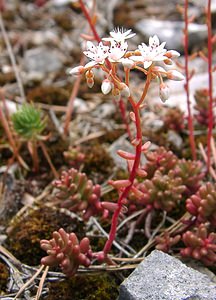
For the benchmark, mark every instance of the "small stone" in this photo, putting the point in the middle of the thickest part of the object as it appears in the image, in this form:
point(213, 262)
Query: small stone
point(163, 277)
point(175, 139)
point(42, 60)
point(105, 110)
point(80, 106)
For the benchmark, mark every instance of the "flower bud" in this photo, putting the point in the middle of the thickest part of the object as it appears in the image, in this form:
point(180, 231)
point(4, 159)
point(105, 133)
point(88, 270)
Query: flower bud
point(76, 71)
point(172, 54)
point(168, 62)
point(89, 78)
point(125, 91)
point(106, 86)
point(164, 92)
point(159, 69)
point(175, 75)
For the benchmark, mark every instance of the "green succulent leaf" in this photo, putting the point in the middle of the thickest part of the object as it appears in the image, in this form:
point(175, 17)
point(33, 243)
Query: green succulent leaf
point(27, 122)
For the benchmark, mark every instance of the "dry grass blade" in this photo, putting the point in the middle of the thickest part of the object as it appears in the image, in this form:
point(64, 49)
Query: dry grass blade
point(9, 255)
point(40, 287)
point(12, 58)
point(213, 148)
point(22, 289)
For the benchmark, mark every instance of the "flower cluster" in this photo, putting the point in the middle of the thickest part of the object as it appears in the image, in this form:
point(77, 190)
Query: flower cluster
point(149, 59)
point(65, 250)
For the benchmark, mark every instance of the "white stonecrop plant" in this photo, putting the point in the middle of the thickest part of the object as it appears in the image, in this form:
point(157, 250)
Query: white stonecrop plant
point(112, 51)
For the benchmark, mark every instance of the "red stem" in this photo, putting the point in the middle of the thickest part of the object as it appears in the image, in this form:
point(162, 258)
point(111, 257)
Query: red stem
point(89, 19)
point(124, 117)
point(186, 86)
point(132, 176)
point(210, 109)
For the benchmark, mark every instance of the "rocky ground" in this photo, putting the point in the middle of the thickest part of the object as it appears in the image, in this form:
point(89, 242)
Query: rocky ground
point(46, 43)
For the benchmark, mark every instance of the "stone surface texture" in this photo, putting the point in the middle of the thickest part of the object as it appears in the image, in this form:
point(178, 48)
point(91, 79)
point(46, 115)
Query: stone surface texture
point(163, 277)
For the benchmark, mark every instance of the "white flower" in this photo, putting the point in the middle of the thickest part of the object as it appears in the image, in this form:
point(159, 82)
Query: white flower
point(98, 54)
point(117, 51)
point(154, 52)
point(119, 35)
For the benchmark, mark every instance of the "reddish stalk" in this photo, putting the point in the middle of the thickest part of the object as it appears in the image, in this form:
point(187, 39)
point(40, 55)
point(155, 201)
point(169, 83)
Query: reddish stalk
point(124, 117)
point(132, 176)
point(210, 109)
point(32, 147)
point(11, 139)
point(186, 86)
point(89, 19)
point(46, 154)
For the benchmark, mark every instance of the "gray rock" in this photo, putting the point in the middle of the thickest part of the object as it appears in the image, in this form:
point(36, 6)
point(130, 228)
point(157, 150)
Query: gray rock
point(171, 32)
point(42, 60)
point(175, 139)
point(163, 277)
point(105, 110)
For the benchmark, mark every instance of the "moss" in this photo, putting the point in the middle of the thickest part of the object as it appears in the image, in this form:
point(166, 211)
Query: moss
point(24, 240)
point(49, 95)
point(85, 287)
point(4, 274)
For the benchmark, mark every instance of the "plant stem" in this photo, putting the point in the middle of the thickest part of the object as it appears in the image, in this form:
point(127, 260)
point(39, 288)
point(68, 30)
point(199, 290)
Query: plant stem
point(89, 19)
point(46, 154)
point(11, 140)
point(124, 194)
point(124, 117)
point(186, 86)
point(32, 146)
point(210, 109)
point(71, 101)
